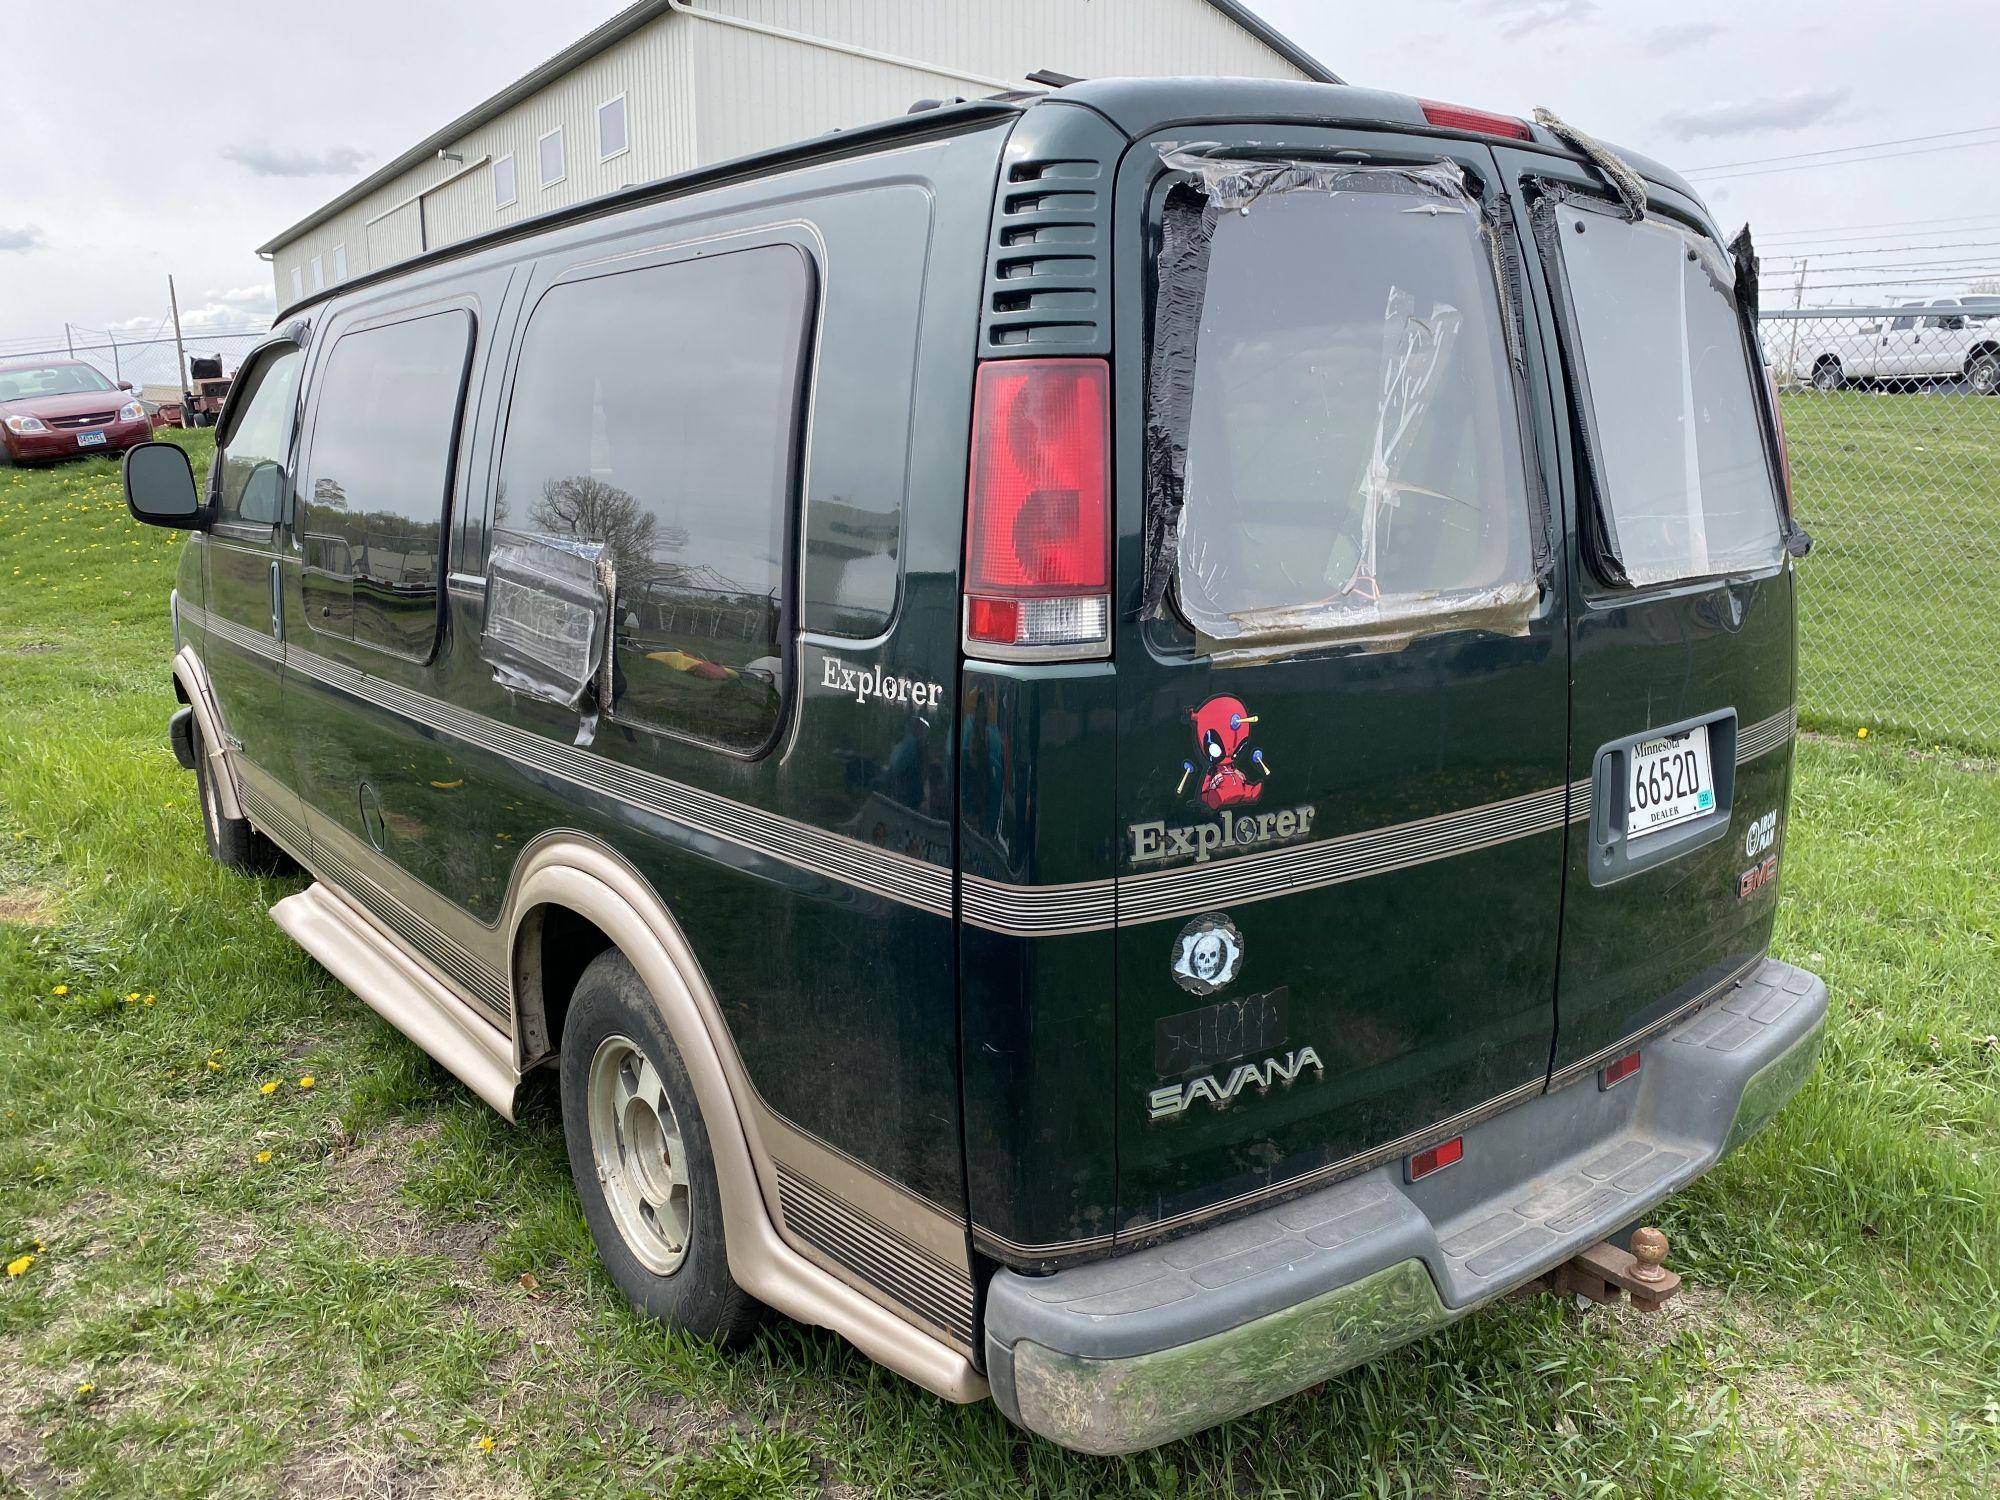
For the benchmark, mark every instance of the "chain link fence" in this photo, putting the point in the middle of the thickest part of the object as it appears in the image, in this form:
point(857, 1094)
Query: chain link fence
point(145, 362)
point(1894, 431)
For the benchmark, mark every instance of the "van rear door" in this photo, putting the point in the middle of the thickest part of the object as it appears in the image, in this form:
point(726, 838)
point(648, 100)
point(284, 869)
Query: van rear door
point(1682, 630)
point(1342, 666)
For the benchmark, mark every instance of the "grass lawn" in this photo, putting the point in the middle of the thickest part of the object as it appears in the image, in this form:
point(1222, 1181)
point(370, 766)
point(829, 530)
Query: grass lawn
point(228, 1282)
point(1900, 601)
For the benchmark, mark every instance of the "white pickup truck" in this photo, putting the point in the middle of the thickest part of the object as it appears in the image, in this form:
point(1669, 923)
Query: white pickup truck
point(1945, 339)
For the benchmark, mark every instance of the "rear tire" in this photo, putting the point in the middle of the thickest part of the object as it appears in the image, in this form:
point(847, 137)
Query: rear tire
point(639, 1151)
point(1983, 375)
point(232, 842)
point(1827, 375)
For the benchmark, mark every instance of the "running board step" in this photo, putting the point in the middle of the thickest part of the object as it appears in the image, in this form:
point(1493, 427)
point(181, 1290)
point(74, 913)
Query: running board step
point(400, 990)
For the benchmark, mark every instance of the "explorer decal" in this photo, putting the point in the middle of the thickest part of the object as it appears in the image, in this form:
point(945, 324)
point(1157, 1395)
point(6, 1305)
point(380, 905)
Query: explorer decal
point(872, 682)
point(1171, 1099)
point(1158, 839)
point(1207, 955)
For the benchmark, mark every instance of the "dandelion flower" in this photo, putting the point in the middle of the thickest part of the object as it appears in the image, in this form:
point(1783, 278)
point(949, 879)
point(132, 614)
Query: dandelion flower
point(269, 1085)
point(61, 989)
point(19, 1265)
point(486, 1444)
point(214, 1066)
point(1861, 733)
point(150, 999)
point(306, 1082)
point(130, 996)
point(263, 1157)
point(84, 1388)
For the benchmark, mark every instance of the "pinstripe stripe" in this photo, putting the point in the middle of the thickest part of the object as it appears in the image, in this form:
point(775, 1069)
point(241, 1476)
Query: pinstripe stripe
point(1015, 910)
point(897, 877)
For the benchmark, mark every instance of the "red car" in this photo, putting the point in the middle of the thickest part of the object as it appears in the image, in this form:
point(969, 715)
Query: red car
point(63, 408)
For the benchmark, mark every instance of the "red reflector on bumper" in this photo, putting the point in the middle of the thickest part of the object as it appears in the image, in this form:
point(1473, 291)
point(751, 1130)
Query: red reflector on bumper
point(1619, 1071)
point(1435, 1159)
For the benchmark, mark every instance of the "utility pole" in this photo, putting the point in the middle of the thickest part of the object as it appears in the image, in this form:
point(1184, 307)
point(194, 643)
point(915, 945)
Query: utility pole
point(70, 341)
point(1798, 301)
point(187, 396)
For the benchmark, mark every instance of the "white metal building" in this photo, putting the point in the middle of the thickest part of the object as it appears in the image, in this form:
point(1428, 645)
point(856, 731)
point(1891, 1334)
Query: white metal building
point(668, 85)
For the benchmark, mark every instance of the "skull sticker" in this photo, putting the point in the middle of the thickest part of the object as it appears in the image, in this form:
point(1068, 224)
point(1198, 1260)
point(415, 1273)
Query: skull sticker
point(1207, 955)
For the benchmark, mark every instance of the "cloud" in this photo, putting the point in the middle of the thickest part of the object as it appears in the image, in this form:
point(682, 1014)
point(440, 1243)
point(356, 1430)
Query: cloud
point(1682, 35)
point(1793, 111)
point(20, 237)
point(1519, 18)
point(248, 297)
point(272, 161)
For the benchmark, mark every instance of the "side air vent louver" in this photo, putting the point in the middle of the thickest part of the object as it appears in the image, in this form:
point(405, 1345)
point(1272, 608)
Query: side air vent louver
point(1048, 281)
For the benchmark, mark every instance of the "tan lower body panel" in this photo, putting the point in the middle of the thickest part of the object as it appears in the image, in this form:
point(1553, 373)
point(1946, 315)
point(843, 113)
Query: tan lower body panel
point(810, 1231)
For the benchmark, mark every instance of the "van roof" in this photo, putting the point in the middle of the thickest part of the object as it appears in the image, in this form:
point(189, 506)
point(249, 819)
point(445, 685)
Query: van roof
point(1135, 106)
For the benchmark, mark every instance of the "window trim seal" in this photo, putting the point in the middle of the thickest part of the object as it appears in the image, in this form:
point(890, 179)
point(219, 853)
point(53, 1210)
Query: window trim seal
point(1599, 528)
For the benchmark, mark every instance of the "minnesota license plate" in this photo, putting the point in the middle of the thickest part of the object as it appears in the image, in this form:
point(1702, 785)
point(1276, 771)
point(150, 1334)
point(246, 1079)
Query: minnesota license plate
point(1672, 781)
point(90, 440)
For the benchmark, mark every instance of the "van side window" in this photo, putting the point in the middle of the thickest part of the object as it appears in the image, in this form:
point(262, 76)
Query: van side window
point(378, 476)
point(257, 446)
point(657, 412)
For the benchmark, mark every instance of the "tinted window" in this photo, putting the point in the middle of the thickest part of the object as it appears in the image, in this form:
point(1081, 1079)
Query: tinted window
point(657, 412)
point(1353, 450)
point(1683, 468)
point(258, 444)
point(372, 507)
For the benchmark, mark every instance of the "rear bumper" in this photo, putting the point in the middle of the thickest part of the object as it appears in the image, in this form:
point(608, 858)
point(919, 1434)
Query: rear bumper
point(1146, 1347)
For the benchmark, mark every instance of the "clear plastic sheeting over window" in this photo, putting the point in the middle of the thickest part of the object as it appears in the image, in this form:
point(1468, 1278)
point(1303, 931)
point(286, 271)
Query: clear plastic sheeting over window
point(1678, 446)
point(1334, 441)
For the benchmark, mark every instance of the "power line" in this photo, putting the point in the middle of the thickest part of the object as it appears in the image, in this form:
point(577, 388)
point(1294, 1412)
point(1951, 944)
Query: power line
point(1908, 140)
point(1885, 250)
point(1849, 161)
point(1842, 229)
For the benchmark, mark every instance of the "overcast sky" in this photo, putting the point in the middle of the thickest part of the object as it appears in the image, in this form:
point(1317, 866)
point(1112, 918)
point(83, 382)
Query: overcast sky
point(180, 139)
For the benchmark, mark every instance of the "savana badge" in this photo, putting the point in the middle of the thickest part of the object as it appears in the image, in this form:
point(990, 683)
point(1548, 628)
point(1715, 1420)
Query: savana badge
point(1221, 731)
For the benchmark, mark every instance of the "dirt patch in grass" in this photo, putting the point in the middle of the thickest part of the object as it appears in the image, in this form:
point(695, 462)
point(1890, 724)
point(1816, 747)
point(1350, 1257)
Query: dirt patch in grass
point(26, 906)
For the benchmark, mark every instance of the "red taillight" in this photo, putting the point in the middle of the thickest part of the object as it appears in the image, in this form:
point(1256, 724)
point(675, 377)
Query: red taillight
point(1037, 510)
point(1435, 1159)
point(1784, 447)
point(1619, 1071)
point(1478, 121)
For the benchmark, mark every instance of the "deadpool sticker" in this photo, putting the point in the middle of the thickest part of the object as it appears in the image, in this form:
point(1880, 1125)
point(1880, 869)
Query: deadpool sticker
point(1228, 776)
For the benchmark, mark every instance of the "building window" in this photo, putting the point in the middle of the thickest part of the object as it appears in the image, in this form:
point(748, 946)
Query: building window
point(339, 263)
point(549, 149)
point(377, 481)
point(298, 284)
point(319, 273)
point(657, 412)
point(503, 181)
point(611, 128)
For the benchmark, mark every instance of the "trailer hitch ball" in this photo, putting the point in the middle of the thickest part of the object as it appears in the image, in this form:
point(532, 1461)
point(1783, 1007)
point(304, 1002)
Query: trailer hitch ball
point(1649, 1250)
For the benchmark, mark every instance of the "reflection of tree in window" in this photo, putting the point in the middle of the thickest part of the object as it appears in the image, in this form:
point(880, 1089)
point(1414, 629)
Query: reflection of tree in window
point(655, 411)
point(594, 511)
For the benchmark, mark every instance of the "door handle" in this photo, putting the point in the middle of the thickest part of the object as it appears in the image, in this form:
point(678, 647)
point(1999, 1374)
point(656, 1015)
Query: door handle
point(277, 602)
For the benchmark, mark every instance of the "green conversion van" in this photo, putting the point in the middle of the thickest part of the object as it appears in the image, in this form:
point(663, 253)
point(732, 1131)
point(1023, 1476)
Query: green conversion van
point(1130, 744)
